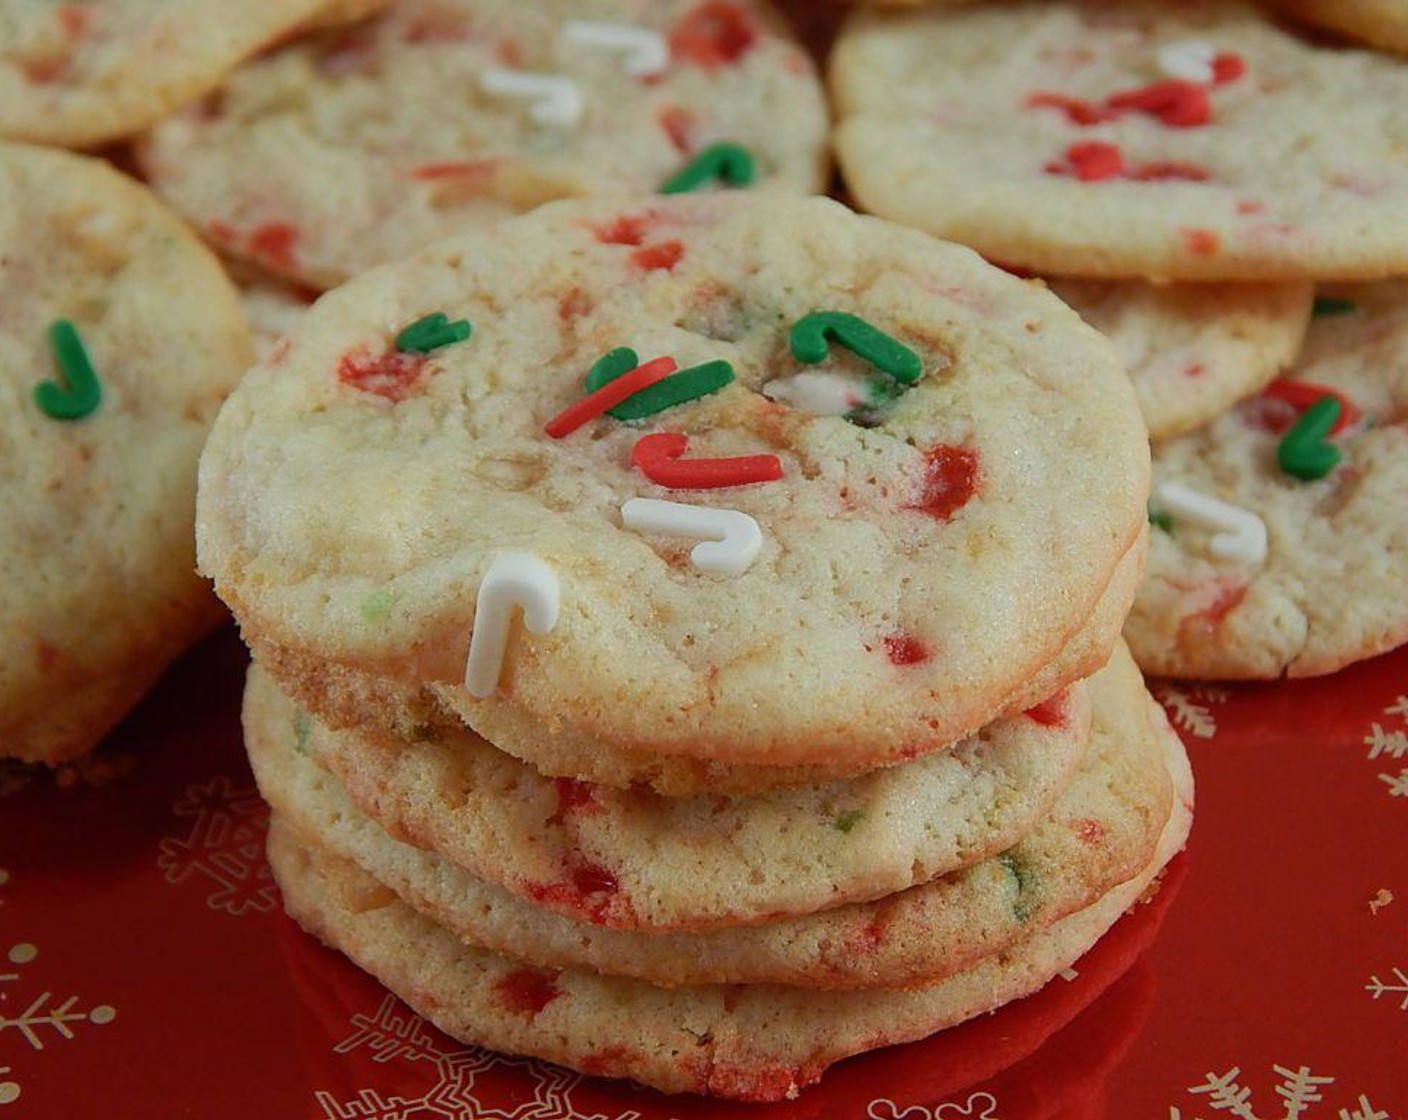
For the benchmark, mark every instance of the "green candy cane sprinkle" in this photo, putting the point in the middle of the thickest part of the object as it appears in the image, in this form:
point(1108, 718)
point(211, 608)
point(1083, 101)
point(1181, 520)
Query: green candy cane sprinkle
point(80, 392)
point(433, 332)
point(813, 334)
point(730, 164)
point(679, 388)
point(1305, 452)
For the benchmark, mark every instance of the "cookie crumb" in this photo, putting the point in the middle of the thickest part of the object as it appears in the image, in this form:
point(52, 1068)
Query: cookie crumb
point(1380, 900)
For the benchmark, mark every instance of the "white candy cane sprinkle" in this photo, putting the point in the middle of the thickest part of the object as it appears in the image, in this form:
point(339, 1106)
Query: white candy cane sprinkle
point(645, 52)
point(555, 99)
point(1239, 534)
point(1188, 59)
point(514, 579)
point(731, 539)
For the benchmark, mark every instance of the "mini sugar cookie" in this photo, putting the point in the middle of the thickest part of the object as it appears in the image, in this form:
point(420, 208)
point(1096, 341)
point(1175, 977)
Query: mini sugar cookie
point(749, 1042)
point(272, 308)
point(1319, 462)
point(1127, 139)
point(1100, 831)
point(345, 150)
point(629, 860)
point(1381, 23)
point(83, 74)
point(1194, 350)
point(922, 561)
point(119, 337)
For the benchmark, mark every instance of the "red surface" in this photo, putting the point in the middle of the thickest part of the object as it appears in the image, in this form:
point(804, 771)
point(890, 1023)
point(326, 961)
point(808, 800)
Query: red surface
point(148, 896)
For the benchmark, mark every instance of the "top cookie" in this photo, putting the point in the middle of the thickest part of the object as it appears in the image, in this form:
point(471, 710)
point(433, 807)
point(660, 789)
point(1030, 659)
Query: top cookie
point(98, 590)
point(350, 149)
point(79, 75)
point(918, 564)
point(1128, 138)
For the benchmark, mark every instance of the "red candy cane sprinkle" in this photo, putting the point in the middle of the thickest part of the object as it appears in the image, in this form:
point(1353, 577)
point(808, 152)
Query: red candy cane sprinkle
point(609, 396)
point(657, 457)
point(1174, 102)
point(1300, 395)
point(1077, 109)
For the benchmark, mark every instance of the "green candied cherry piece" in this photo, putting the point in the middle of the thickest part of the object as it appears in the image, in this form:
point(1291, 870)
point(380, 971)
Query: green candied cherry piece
point(302, 727)
point(431, 333)
point(730, 164)
point(1025, 877)
point(685, 385)
point(81, 391)
point(1305, 452)
point(1160, 520)
point(848, 820)
point(1327, 305)
point(813, 334)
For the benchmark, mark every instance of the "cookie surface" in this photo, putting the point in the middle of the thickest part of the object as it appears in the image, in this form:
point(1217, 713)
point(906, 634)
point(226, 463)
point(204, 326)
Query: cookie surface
point(1070, 138)
point(1194, 350)
point(1329, 590)
point(1101, 831)
point(79, 75)
point(351, 149)
point(914, 576)
point(98, 590)
point(628, 859)
point(751, 1042)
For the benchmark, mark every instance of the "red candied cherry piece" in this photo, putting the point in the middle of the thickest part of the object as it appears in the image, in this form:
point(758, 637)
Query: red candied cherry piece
point(950, 481)
point(1174, 102)
point(712, 34)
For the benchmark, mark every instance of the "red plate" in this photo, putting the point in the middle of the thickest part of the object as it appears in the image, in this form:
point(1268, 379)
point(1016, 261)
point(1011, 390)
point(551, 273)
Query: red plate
point(148, 972)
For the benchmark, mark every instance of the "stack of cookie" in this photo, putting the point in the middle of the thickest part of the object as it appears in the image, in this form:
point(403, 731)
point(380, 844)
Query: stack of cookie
point(1201, 168)
point(812, 734)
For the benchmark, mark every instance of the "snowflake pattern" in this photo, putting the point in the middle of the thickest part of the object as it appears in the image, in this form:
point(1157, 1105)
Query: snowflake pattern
point(1391, 743)
point(1190, 707)
point(397, 1034)
point(1393, 988)
point(978, 1106)
point(45, 1019)
point(1299, 1090)
point(224, 845)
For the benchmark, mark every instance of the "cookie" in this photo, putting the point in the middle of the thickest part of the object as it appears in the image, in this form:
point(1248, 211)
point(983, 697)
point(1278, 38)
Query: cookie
point(1194, 350)
point(344, 698)
point(80, 75)
point(347, 150)
point(272, 308)
point(1381, 23)
point(120, 336)
point(917, 566)
point(1100, 832)
point(1328, 589)
point(749, 1042)
point(629, 859)
point(1119, 139)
